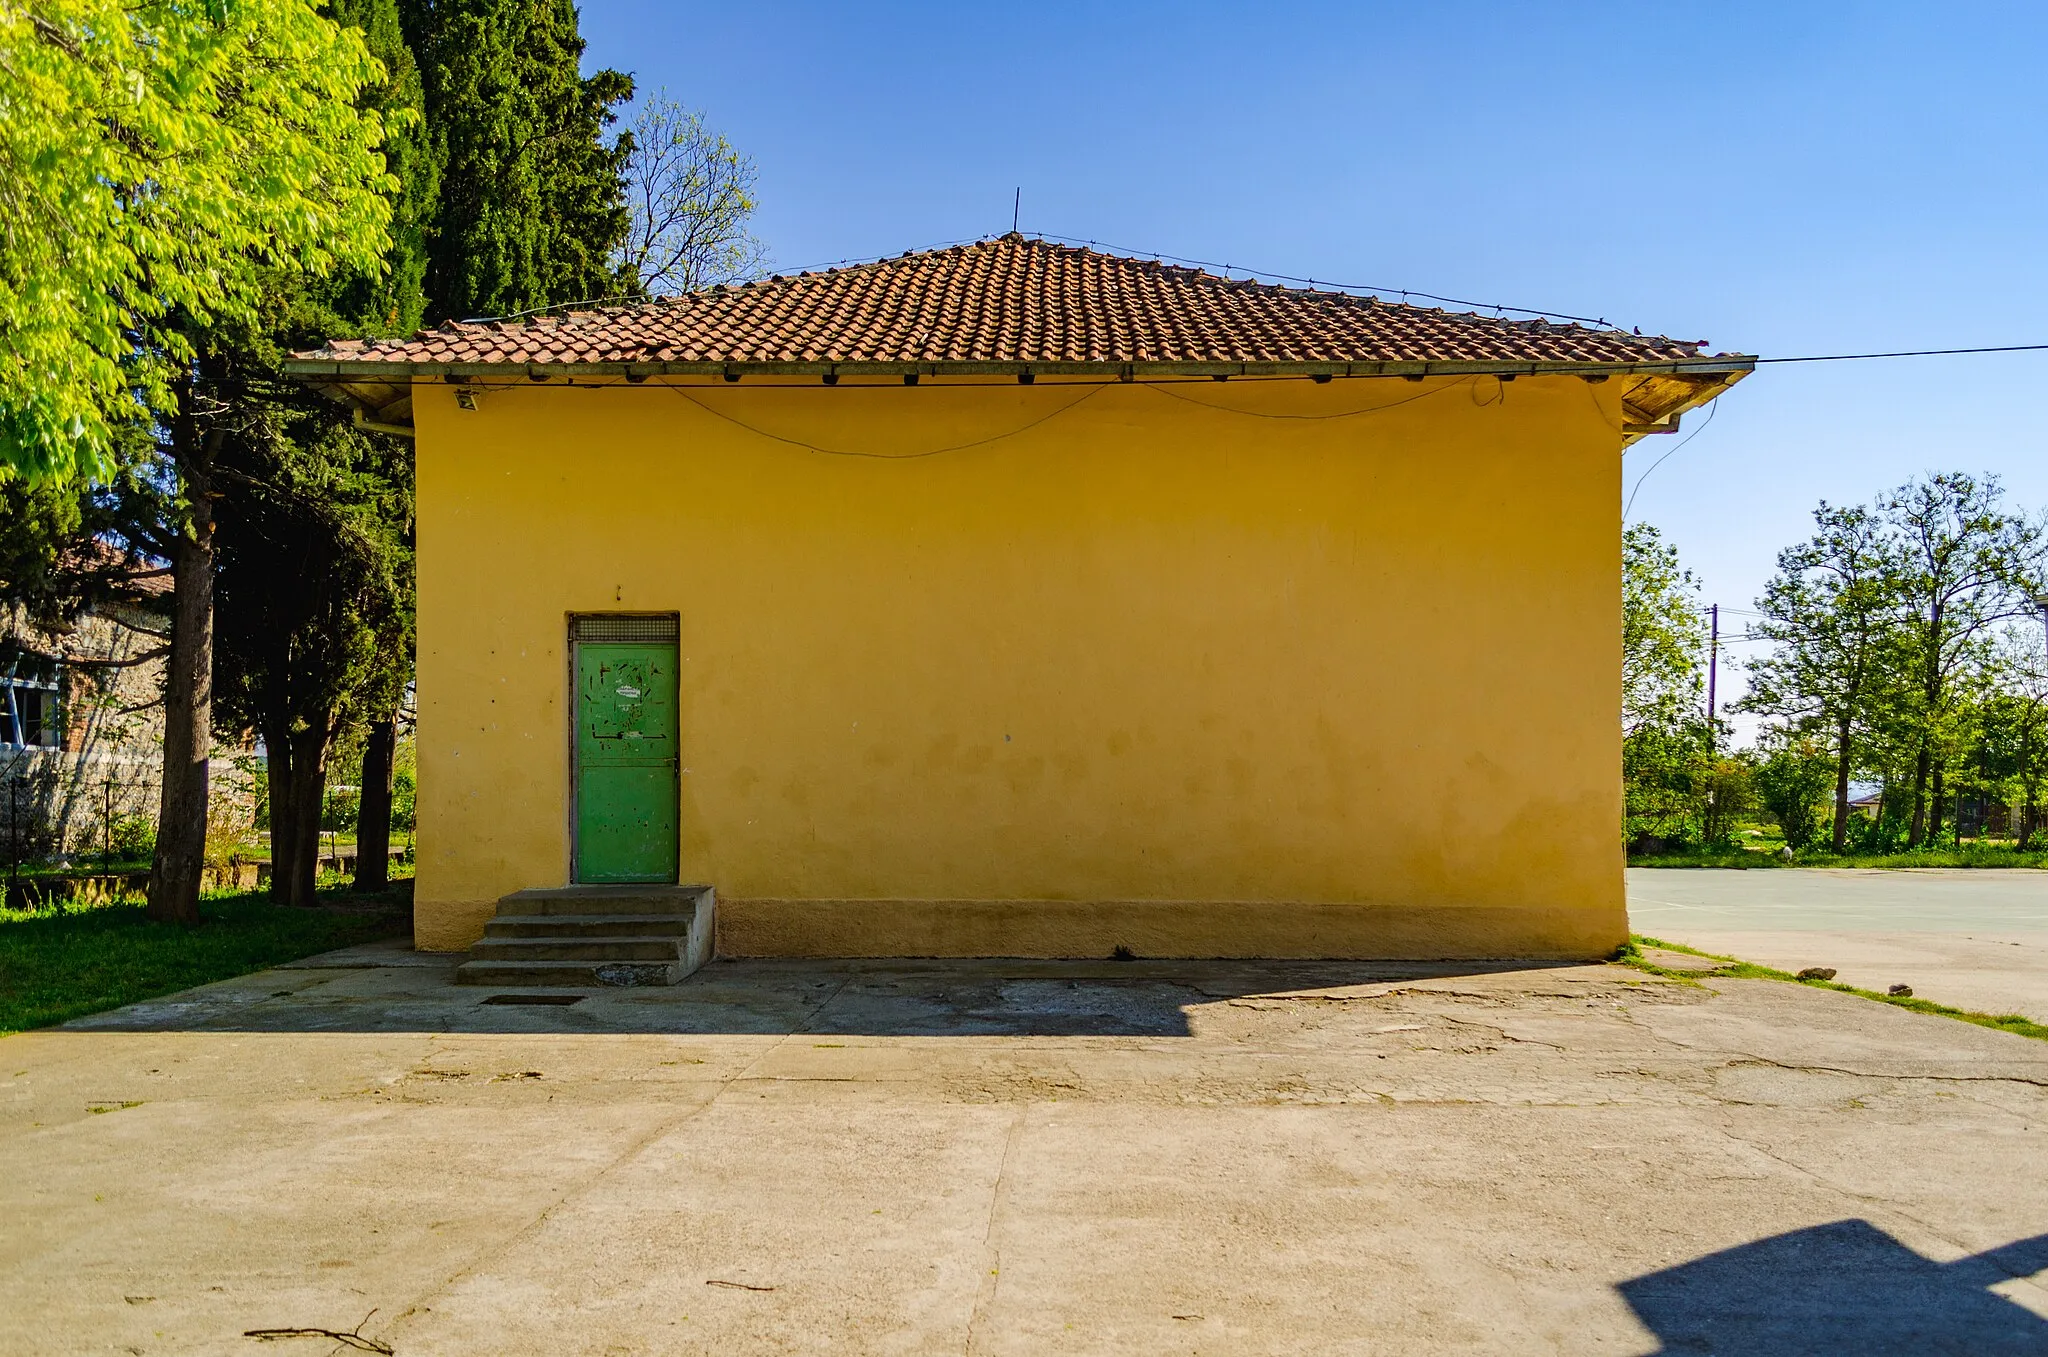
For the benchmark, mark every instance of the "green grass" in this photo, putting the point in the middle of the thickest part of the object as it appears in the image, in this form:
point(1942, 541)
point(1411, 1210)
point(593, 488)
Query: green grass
point(80, 866)
point(57, 967)
point(1742, 859)
point(1632, 955)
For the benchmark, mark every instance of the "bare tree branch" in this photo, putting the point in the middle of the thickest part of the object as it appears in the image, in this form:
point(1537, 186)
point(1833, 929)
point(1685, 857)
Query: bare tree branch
point(691, 195)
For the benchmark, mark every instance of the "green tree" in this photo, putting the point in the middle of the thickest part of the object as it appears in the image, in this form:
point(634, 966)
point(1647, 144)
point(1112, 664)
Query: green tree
point(1665, 746)
point(390, 298)
point(313, 586)
point(1958, 564)
point(316, 582)
point(2012, 725)
point(691, 196)
point(1663, 635)
point(1828, 612)
point(70, 546)
point(1725, 785)
point(157, 159)
point(1792, 782)
point(532, 201)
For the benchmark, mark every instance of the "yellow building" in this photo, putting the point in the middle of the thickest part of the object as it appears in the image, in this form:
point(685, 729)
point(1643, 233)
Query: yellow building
point(1016, 599)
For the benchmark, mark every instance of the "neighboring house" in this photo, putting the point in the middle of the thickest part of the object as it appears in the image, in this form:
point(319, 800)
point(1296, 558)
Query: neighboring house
point(80, 739)
point(1015, 599)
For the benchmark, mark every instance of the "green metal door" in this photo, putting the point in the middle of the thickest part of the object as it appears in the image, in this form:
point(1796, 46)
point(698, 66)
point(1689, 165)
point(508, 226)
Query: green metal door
point(626, 759)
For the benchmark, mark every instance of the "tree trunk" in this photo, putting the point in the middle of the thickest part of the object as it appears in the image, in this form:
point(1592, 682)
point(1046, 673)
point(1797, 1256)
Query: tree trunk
point(177, 870)
point(309, 778)
point(1934, 803)
point(298, 787)
point(1842, 761)
point(2028, 783)
point(373, 807)
point(1918, 830)
point(284, 817)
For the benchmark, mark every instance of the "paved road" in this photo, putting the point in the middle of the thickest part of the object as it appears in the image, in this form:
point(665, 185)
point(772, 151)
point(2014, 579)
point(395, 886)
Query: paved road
point(1975, 939)
point(1019, 1158)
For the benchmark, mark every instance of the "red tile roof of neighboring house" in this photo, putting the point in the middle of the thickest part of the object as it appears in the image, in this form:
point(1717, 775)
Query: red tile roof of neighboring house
point(123, 572)
point(1006, 302)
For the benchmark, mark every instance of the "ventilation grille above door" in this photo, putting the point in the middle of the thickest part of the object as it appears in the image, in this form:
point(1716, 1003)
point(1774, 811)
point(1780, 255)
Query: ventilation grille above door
point(616, 627)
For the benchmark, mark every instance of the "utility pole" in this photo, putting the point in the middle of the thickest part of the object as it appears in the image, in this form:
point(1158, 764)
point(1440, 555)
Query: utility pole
point(1713, 672)
point(2041, 602)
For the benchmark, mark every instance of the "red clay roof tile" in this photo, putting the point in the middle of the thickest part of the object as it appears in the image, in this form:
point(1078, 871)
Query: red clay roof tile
point(1010, 300)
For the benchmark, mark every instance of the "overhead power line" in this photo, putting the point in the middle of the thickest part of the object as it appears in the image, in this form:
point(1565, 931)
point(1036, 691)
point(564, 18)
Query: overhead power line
point(1907, 353)
point(1403, 292)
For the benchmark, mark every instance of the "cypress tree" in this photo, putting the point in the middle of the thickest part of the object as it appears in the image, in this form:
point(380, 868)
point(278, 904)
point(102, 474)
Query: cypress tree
point(532, 196)
point(393, 302)
point(509, 199)
point(313, 591)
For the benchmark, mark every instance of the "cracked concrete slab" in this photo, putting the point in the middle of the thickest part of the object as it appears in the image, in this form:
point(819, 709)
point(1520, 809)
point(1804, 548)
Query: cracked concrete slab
point(1013, 1157)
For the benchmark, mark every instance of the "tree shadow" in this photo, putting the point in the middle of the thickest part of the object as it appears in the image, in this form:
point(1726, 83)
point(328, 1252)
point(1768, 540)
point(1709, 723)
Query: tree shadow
point(1842, 1287)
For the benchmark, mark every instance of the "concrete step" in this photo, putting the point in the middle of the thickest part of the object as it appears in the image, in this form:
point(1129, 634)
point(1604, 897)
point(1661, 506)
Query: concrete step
point(566, 974)
point(578, 949)
point(580, 936)
point(607, 900)
point(588, 925)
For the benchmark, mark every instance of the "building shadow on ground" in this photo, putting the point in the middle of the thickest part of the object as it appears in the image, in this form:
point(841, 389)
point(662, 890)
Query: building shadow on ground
point(1844, 1287)
point(882, 998)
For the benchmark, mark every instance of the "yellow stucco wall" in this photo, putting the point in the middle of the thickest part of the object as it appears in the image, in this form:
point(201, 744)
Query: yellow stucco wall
point(1202, 670)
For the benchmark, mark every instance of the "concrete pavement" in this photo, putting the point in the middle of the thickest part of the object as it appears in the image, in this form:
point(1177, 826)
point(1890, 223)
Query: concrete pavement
point(1971, 938)
point(1024, 1158)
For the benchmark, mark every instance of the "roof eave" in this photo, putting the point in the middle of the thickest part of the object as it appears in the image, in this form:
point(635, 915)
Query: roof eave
point(312, 369)
point(380, 390)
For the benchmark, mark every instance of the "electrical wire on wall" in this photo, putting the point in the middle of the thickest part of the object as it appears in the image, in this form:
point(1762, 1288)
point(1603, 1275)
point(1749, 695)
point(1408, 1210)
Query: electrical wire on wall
point(1713, 406)
point(1092, 390)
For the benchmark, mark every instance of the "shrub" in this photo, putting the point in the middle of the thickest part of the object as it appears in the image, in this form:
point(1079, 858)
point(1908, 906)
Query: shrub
point(1792, 783)
point(133, 837)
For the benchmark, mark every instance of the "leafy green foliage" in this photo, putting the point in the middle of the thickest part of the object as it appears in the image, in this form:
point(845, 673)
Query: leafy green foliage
point(391, 300)
point(2011, 753)
point(157, 161)
point(1959, 564)
point(1827, 613)
point(1792, 783)
point(1894, 647)
point(1668, 766)
point(532, 196)
point(1663, 635)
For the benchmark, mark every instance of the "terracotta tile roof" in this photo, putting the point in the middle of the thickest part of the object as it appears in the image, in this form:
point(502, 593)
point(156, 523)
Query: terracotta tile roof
point(125, 572)
point(1009, 301)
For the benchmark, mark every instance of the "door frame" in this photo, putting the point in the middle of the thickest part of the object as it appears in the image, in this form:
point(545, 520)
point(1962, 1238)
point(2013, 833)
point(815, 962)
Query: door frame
point(570, 652)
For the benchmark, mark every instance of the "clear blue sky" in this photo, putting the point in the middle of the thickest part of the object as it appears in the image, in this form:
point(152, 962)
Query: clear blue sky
point(1772, 177)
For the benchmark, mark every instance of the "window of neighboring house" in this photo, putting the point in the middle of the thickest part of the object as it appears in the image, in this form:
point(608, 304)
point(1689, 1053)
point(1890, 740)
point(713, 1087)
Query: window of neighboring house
point(28, 715)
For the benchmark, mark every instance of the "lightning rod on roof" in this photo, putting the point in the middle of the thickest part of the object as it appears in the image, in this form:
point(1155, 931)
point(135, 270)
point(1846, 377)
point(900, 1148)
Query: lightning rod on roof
point(1016, 206)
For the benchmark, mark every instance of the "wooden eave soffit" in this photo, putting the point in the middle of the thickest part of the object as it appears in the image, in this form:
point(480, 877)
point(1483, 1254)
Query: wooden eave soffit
point(1654, 402)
